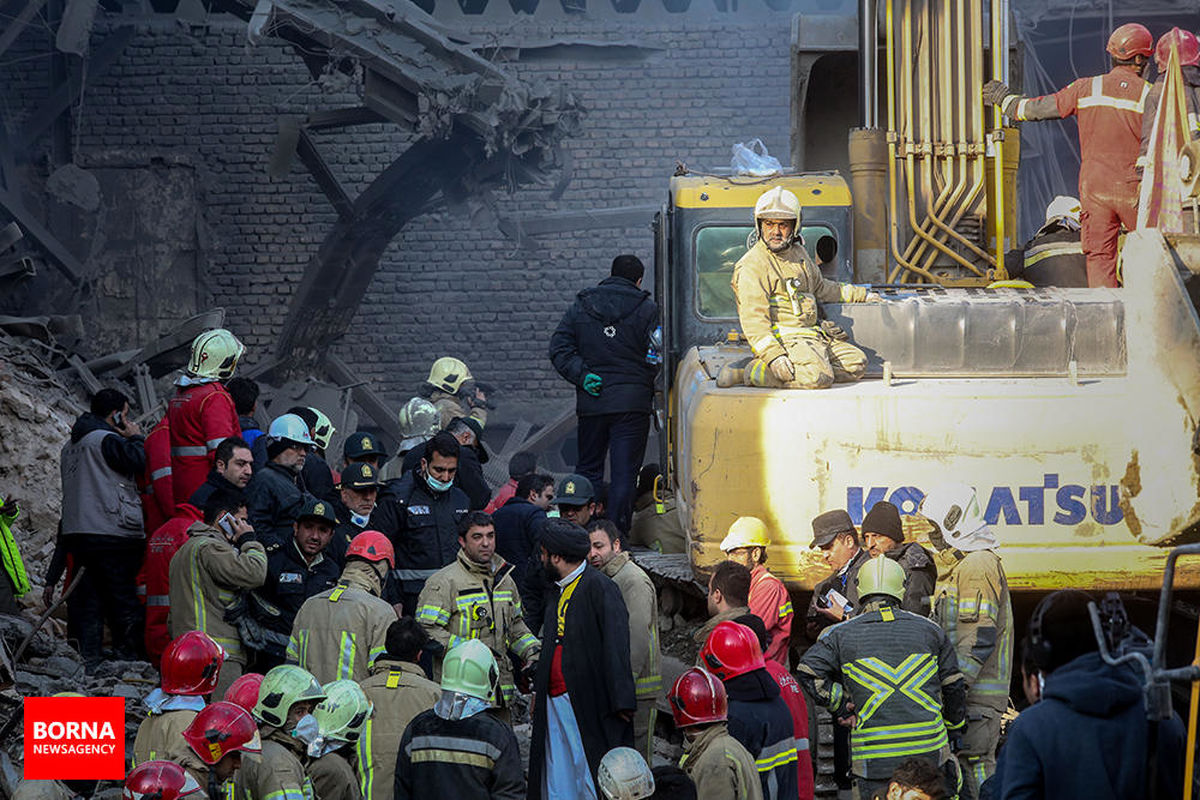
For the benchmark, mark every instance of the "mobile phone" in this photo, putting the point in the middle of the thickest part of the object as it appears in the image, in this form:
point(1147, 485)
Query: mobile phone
point(119, 420)
point(835, 595)
point(225, 523)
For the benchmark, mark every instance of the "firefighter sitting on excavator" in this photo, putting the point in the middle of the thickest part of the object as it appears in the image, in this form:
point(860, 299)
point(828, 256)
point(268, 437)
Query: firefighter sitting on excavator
point(777, 287)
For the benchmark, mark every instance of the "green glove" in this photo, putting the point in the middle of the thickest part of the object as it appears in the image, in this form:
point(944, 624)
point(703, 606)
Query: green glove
point(591, 384)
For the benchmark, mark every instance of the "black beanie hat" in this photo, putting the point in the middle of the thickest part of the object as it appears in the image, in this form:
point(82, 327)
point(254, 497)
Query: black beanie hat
point(884, 519)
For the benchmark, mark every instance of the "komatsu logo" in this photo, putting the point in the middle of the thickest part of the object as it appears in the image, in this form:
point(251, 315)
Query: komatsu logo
point(1050, 502)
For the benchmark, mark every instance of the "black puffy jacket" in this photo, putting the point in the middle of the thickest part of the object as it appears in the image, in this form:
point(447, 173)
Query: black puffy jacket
point(607, 332)
point(273, 500)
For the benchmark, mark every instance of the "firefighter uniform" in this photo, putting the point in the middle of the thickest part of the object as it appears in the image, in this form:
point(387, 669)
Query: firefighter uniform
point(973, 606)
point(644, 657)
point(1109, 108)
point(160, 738)
point(720, 766)
point(901, 673)
point(465, 601)
point(277, 773)
point(476, 756)
point(199, 417)
point(154, 580)
point(333, 778)
point(158, 494)
point(339, 632)
point(207, 575)
point(777, 296)
point(770, 602)
point(450, 406)
point(399, 691)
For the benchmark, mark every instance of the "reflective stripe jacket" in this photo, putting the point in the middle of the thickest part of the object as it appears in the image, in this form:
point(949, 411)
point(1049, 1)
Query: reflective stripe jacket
point(777, 296)
point(901, 673)
point(158, 494)
point(154, 579)
point(465, 601)
point(206, 575)
point(973, 606)
point(789, 690)
point(333, 778)
point(277, 773)
point(10, 554)
point(476, 757)
point(760, 719)
point(1109, 108)
point(340, 632)
point(642, 603)
point(290, 581)
point(199, 417)
point(770, 602)
point(160, 738)
point(450, 406)
point(400, 691)
point(720, 766)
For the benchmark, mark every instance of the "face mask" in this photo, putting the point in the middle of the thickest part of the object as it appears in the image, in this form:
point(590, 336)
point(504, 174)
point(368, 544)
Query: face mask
point(359, 519)
point(307, 729)
point(322, 746)
point(436, 485)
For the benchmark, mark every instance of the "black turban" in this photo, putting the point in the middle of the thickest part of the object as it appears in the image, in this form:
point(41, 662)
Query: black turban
point(563, 538)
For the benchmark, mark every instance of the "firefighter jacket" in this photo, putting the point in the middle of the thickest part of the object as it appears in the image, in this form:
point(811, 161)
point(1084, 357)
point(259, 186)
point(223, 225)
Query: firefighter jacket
point(657, 525)
point(642, 603)
point(502, 496)
point(475, 757)
point(199, 418)
point(273, 500)
point(920, 573)
point(1053, 257)
point(154, 578)
point(277, 773)
point(761, 720)
point(845, 581)
point(339, 632)
point(423, 527)
point(478, 601)
point(399, 691)
point(450, 406)
point(1109, 108)
point(770, 602)
point(777, 296)
point(1191, 94)
point(701, 634)
point(160, 738)
point(290, 581)
point(158, 494)
point(973, 607)
point(14, 566)
point(333, 778)
point(793, 695)
point(901, 673)
point(207, 575)
point(43, 790)
point(720, 766)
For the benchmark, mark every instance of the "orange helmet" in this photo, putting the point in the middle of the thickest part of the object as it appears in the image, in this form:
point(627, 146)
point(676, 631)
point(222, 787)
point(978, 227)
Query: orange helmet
point(731, 650)
point(159, 780)
point(244, 691)
point(1187, 44)
point(191, 664)
point(222, 728)
point(1129, 40)
point(698, 697)
point(372, 546)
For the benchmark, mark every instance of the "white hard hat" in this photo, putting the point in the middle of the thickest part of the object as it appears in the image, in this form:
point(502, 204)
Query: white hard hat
point(289, 428)
point(777, 203)
point(746, 532)
point(623, 775)
point(954, 508)
point(1065, 209)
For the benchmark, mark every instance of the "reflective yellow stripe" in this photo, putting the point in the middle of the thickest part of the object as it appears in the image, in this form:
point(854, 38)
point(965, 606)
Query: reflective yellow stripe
point(366, 764)
point(346, 651)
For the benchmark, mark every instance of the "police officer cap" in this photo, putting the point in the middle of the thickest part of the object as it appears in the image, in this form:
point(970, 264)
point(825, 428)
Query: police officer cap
point(315, 508)
point(826, 527)
point(574, 490)
point(361, 443)
point(359, 476)
point(564, 538)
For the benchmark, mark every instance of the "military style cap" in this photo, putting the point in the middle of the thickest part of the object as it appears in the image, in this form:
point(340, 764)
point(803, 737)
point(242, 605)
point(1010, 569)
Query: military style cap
point(359, 476)
point(827, 526)
point(361, 443)
point(574, 490)
point(314, 508)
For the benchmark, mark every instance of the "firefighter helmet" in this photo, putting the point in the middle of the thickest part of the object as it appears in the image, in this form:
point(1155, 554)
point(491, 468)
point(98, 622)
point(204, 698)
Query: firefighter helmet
point(1130, 40)
point(282, 688)
point(220, 729)
point(215, 355)
point(731, 650)
point(159, 780)
point(1185, 42)
point(777, 203)
point(343, 713)
point(746, 532)
point(1064, 209)
point(290, 428)
point(881, 575)
point(470, 668)
point(244, 691)
point(698, 698)
point(322, 429)
point(623, 775)
point(191, 664)
point(954, 508)
point(448, 374)
point(418, 418)
point(372, 546)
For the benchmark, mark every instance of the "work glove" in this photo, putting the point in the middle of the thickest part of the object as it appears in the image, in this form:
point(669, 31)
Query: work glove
point(781, 368)
point(591, 384)
point(994, 92)
point(874, 297)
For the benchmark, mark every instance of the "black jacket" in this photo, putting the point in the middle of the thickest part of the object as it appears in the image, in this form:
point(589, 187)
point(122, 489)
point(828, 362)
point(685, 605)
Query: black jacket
point(422, 525)
point(518, 531)
point(845, 583)
point(126, 456)
point(273, 500)
point(214, 481)
point(607, 332)
point(469, 476)
point(318, 480)
point(759, 718)
point(442, 758)
point(921, 574)
point(290, 581)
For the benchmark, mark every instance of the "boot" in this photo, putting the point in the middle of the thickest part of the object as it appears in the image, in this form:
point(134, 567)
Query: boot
point(730, 376)
point(760, 375)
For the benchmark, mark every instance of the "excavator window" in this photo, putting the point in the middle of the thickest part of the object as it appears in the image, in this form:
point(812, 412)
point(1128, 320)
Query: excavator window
point(718, 248)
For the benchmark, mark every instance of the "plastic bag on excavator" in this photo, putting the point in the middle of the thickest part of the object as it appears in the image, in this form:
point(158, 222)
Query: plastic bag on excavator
point(752, 158)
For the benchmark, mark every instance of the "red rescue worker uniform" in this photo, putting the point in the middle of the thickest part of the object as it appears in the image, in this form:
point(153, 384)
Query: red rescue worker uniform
point(793, 695)
point(158, 496)
point(154, 582)
point(200, 416)
point(770, 602)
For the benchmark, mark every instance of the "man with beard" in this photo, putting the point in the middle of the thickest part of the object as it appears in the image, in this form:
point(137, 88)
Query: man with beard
point(274, 496)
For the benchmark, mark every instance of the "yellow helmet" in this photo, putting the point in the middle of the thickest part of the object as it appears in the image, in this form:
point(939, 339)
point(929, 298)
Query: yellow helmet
point(881, 575)
point(777, 203)
point(215, 354)
point(746, 532)
point(448, 374)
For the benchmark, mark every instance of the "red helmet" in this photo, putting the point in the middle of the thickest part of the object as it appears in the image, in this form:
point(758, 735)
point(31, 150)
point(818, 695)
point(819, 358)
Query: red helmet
point(731, 650)
point(372, 546)
point(1187, 44)
point(1129, 40)
point(698, 697)
point(220, 729)
point(244, 691)
point(159, 780)
point(191, 664)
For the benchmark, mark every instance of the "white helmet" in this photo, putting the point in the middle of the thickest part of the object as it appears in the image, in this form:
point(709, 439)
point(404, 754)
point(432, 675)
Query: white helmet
point(777, 203)
point(290, 428)
point(623, 775)
point(1065, 210)
point(215, 355)
point(954, 508)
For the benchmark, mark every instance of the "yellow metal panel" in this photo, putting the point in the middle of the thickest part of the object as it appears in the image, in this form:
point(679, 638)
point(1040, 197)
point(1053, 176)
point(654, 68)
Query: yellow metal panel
point(816, 189)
